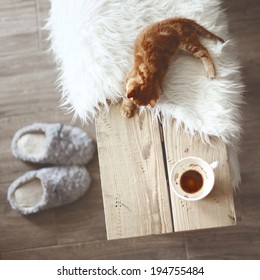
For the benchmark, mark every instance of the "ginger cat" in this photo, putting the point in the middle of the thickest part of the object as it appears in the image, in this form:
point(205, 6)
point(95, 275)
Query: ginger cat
point(154, 47)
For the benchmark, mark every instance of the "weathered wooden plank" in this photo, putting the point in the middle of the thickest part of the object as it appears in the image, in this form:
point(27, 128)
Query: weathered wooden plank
point(217, 209)
point(135, 194)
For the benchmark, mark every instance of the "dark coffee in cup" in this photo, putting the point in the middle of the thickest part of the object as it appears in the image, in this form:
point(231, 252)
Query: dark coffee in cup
point(191, 181)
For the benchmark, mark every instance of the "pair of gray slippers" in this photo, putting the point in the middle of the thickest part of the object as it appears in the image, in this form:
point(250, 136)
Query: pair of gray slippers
point(68, 149)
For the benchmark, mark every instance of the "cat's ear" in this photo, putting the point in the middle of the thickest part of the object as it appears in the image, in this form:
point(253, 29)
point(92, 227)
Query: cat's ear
point(133, 93)
point(152, 103)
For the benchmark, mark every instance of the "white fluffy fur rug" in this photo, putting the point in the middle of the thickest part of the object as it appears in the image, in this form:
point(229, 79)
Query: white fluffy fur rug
point(92, 42)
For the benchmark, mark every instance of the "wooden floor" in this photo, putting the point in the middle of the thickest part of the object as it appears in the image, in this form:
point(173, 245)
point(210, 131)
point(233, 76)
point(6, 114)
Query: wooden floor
point(77, 231)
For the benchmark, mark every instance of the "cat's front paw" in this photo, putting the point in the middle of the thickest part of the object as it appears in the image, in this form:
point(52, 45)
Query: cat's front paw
point(128, 109)
point(126, 112)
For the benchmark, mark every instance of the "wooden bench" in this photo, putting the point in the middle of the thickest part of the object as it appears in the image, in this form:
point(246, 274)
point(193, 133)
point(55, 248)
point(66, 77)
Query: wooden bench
point(135, 157)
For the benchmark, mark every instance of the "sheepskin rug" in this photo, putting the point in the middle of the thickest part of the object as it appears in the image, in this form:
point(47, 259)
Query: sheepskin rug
point(92, 42)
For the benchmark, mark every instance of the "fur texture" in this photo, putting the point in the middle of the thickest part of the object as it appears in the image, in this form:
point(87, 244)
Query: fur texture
point(60, 186)
point(92, 42)
point(65, 145)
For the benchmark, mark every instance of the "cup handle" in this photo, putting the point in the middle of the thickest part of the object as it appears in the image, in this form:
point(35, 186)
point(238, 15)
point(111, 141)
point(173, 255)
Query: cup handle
point(214, 164)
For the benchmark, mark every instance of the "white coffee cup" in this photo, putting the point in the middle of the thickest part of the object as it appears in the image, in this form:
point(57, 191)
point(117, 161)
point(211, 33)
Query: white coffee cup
point(192, 178)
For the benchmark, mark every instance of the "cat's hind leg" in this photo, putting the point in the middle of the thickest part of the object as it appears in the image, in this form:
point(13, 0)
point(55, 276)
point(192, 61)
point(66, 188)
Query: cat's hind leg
point(194, 47)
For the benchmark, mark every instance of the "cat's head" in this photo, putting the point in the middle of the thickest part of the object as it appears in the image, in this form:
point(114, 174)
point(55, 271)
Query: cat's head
point(138, 96)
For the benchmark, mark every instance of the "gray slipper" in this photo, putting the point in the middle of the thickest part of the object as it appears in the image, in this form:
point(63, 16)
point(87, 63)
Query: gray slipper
point(53, 144)
point(47, 188)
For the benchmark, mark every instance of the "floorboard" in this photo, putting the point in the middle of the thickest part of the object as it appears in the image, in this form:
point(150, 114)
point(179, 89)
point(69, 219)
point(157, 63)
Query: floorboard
point(151, 247)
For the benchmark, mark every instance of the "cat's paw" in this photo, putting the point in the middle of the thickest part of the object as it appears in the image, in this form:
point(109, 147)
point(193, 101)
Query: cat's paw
point(127, 110)
point(210, 72)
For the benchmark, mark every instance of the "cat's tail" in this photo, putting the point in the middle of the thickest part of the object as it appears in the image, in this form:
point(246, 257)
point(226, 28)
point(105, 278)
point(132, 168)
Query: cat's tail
point(203, 31)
